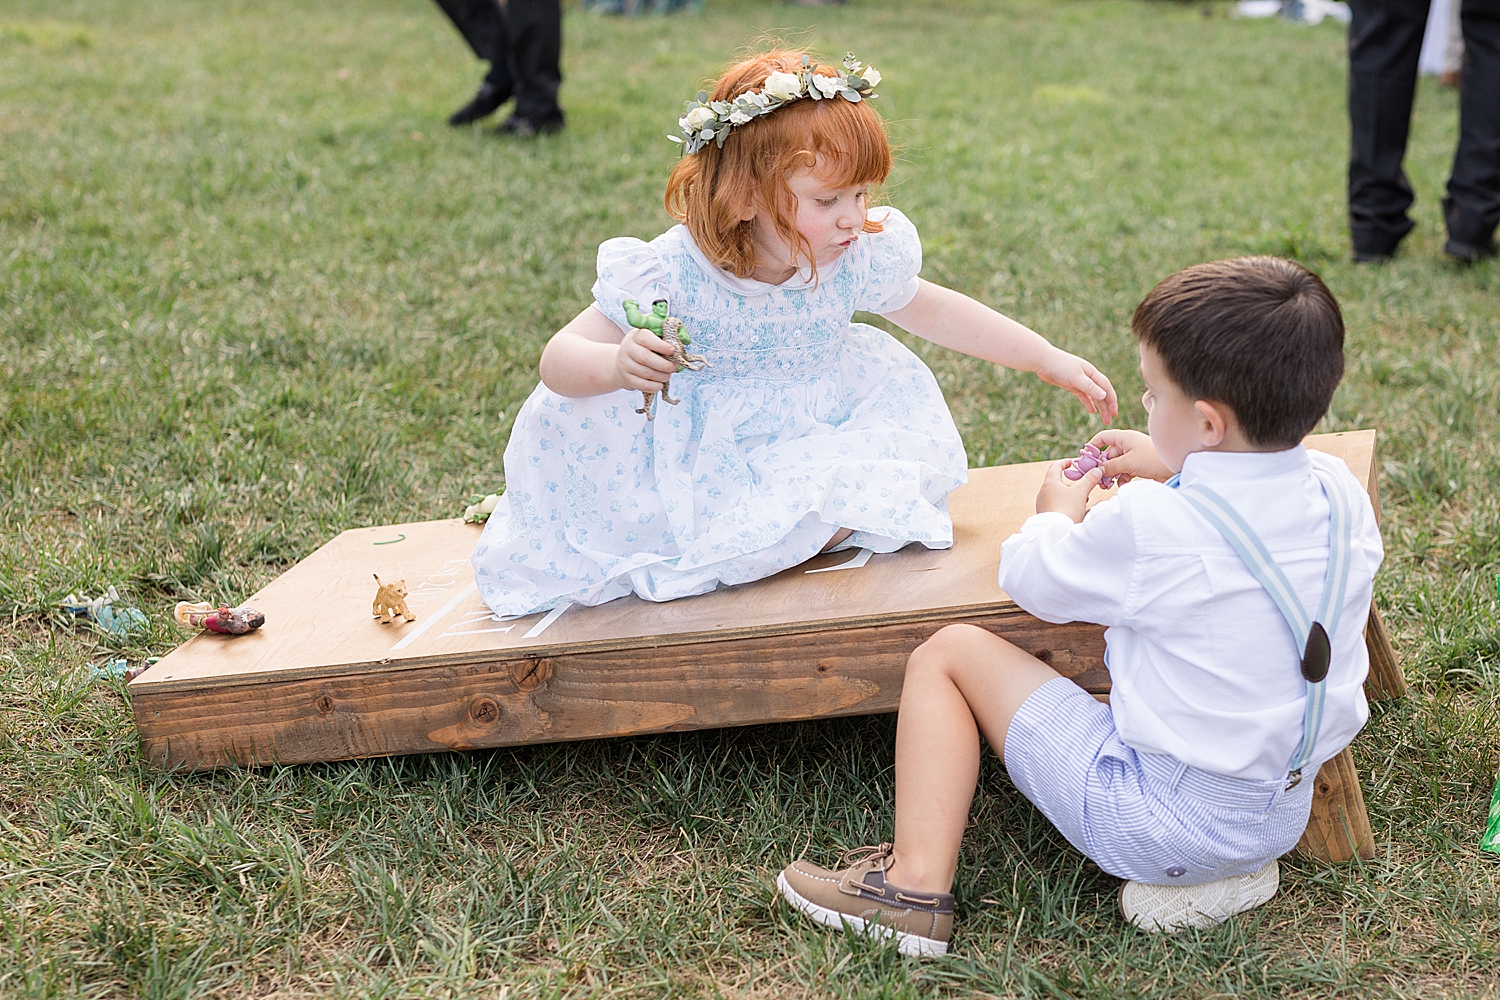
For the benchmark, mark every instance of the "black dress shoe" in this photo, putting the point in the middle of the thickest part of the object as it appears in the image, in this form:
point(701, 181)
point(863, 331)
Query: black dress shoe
point(525, 128)
point(1469, 253)
point(486, 101)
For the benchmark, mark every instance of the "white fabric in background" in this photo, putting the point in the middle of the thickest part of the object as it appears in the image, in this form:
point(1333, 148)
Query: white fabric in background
point(1296, 11)
point(1442, 45)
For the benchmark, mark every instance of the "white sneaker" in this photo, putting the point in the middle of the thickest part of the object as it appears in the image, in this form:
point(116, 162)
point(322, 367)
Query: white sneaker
point(1178, 907)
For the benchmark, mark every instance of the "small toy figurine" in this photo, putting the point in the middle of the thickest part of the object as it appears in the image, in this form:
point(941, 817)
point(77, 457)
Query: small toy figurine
point(390, 602)
point(669, 328)
point(1089, 458)
point(225, 621)
point(116, 620)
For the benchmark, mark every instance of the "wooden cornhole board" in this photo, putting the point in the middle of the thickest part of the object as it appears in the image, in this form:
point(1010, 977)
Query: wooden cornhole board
point(325, 681)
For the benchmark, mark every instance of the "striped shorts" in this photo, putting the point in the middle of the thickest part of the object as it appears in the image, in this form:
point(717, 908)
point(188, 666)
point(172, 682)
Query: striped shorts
point(1144, 816)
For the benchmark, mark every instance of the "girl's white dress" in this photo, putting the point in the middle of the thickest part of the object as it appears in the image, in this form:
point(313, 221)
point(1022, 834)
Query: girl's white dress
point(805, 423)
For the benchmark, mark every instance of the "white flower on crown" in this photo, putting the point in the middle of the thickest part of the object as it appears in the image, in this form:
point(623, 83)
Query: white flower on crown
point(696, 119)
point(783, 86)
point(710, 121)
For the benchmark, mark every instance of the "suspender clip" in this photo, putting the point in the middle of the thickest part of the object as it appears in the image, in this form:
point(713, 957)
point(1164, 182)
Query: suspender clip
point(1294, 779)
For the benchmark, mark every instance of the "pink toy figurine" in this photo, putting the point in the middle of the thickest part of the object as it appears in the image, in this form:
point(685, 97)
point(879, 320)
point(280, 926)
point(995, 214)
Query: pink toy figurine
point(1088, 459)
point(225, 621)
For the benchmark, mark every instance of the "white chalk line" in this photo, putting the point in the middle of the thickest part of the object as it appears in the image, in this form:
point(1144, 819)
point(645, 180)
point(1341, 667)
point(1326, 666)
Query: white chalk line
point(476, 618)
point(542, 625)
point(436, 617)
point(859, 560)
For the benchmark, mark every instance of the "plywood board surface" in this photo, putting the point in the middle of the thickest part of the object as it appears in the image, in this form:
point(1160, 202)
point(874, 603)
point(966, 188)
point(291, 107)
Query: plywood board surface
point(319, 624)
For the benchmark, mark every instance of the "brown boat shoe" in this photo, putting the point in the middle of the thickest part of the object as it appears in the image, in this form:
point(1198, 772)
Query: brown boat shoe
point(858, 897)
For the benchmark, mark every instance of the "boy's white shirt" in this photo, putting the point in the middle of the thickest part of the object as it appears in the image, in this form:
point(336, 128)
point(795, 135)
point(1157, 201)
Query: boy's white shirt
point(1202, 663)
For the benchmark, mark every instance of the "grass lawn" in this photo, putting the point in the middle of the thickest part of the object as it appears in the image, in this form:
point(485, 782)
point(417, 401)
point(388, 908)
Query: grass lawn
point(253, 291)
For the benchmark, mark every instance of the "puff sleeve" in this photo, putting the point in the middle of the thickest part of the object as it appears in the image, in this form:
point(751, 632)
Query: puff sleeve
point(893, 259)
point(628, 269)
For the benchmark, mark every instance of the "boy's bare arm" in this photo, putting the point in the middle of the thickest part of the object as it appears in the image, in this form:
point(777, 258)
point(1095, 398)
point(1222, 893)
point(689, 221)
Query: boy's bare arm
point(590, 356)
point(953, 320)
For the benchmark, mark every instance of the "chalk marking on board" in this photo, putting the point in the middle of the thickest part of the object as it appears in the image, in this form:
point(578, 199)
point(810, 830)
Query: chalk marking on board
point(473, 631)
point(427, 591)
point(860, 558)
point(477, 618)
point(542, 625)
point(436, 617)
point(483, 614)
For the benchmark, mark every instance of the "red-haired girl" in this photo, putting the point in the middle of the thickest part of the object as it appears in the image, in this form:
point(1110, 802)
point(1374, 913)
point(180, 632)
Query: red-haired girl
point(806, 432)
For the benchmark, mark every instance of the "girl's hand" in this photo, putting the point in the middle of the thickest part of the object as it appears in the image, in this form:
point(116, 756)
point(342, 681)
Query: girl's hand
point(1070, 372)
point(1131, 456)
point(1064, 495)
point(643, 362)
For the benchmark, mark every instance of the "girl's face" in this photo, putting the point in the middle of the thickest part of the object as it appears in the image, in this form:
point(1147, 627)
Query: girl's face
point(829, 216)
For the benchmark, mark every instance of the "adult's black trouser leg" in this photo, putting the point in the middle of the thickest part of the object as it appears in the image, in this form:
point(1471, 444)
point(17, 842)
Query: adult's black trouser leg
point(1385, 41)
point(535, 28)
point(1472, 207)
point(482, 24)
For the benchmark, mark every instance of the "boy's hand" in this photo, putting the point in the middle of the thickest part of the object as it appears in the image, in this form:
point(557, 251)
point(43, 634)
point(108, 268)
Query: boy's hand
point(1064, 495)
point(1131, 456)
point(643, 362)
point(1070, 372)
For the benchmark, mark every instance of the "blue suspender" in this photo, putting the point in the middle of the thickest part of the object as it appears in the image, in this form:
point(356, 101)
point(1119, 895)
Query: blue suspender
point(1311, 635)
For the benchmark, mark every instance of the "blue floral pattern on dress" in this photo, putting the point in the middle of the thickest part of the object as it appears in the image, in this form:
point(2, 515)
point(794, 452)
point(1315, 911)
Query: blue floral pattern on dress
point(805, 423)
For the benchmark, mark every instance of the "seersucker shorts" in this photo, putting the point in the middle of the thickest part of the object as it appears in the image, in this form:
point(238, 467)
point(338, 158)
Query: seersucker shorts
point(1143, 816)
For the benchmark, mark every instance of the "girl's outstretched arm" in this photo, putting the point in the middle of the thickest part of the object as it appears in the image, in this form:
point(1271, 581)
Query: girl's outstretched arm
point(953, 320)
point(590, 356)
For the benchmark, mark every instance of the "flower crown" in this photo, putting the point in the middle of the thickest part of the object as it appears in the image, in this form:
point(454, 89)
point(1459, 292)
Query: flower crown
point(711, 121)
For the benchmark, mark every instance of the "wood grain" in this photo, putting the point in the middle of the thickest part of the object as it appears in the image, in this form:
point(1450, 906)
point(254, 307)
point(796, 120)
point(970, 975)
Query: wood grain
point(1386, 679)
point(572, 696)
point(1338, 828)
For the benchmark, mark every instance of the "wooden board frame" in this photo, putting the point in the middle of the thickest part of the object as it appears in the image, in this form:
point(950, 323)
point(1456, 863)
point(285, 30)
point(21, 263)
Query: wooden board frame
point(324, 682)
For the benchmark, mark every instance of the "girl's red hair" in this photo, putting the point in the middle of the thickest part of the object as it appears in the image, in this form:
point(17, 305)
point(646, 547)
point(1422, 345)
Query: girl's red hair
point(709, 190)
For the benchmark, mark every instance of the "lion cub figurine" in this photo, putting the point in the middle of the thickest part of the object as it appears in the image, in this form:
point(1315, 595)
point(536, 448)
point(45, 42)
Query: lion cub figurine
point(390, 602)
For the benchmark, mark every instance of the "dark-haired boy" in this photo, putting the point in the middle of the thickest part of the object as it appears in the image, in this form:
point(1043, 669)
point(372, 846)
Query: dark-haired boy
point(1188, 784)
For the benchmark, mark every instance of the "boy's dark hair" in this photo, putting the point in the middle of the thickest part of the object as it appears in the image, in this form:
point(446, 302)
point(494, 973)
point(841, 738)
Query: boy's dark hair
point(1261, 335)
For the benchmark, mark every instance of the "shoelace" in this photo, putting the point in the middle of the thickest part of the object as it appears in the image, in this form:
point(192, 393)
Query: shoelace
point(882, 853)
point(872, 852)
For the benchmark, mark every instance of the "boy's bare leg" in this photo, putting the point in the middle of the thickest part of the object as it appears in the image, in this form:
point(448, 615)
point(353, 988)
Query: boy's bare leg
point(962, 682)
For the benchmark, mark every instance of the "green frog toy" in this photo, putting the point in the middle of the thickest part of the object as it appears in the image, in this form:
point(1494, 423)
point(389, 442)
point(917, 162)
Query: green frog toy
point(668, 327)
